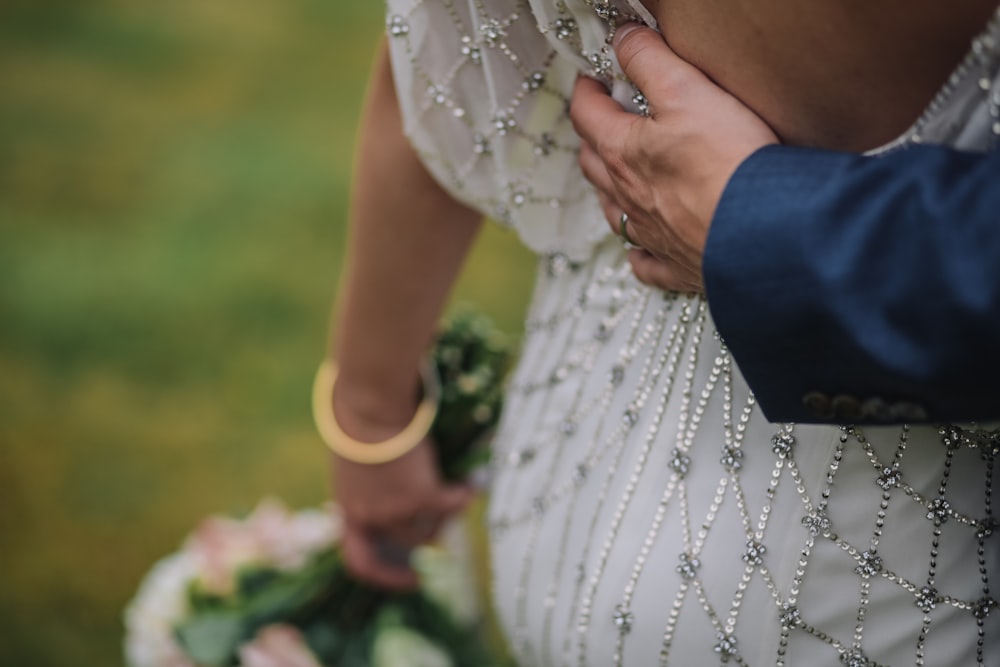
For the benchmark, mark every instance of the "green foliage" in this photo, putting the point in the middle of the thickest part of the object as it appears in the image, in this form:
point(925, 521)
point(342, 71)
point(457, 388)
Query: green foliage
point(472, 359)
point(211, 637)
point(339, 616)
point(173, 184)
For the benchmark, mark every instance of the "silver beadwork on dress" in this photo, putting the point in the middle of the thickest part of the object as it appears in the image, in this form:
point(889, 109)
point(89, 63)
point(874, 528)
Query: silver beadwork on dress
point(644, 512)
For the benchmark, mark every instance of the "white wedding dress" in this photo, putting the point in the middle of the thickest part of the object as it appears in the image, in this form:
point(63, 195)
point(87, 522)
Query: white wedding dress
point(644, 512)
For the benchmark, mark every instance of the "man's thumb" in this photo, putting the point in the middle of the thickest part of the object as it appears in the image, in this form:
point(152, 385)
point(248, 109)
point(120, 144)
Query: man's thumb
point(643, 55)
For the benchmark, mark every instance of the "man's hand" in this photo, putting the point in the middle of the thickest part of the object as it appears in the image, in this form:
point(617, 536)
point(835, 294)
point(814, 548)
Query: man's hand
point(667, 171)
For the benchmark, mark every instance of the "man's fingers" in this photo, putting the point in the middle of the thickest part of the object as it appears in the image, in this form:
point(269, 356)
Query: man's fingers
point(652, 271)
point(594, 112)
point(662, 274)
point(648, 62)
point(593, 169)
point(612, 215)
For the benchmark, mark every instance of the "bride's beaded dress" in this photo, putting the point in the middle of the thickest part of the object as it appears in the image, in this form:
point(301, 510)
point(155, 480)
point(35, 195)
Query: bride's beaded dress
point(644, 511)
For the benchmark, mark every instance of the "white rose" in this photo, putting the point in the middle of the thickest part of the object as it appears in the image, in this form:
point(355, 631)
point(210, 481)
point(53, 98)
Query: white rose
point(446, 574)
point(150, 617)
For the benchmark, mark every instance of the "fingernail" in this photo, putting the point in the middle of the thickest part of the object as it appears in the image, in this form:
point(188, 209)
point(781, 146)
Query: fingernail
point(623, 31)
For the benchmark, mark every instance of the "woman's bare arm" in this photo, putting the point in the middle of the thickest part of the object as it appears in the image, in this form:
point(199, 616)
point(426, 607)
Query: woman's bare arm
point(408, 239)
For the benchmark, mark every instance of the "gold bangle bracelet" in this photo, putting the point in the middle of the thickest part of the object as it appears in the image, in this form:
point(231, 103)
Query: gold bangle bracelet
point(371, 453)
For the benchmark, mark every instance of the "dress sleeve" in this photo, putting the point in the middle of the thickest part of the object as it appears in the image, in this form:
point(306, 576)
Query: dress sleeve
point(484, 89)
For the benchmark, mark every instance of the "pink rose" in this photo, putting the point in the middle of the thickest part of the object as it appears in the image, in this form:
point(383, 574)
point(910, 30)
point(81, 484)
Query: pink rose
point(220, 546)
point(271, 535)
point(290, 539)
point(278, 646)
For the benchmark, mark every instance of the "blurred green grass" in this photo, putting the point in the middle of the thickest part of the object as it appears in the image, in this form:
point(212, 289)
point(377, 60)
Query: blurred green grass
point(173, 188)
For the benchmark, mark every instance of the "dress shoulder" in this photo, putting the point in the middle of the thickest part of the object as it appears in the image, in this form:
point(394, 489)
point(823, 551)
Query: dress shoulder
point(484, 89)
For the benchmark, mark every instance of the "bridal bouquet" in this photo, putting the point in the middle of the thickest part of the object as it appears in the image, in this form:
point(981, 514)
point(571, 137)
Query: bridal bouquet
point(271, 590)
point(472, 359)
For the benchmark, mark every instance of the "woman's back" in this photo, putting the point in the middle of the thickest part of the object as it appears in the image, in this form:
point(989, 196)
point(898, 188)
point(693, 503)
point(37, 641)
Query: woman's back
point(846, 74)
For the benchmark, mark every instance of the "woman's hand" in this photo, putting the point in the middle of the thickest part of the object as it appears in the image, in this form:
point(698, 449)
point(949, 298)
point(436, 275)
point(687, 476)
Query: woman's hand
point(667, 171)
point(389, 508)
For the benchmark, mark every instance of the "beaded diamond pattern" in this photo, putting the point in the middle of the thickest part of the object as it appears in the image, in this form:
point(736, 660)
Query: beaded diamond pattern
point(644, 511)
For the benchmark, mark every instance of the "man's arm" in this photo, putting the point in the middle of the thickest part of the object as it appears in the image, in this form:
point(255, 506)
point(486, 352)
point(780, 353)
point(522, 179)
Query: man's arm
point(849, 289)
point(862, 288)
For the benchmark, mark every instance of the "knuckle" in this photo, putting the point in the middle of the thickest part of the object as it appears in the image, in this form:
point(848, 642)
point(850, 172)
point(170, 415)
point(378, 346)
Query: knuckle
point(358, 566)
point(354, 564)
point(618, 167)
point(354, 511)
point(674, 81)
point(630, 156)
point(649, 271)
point(641, 273)
point(358, 513)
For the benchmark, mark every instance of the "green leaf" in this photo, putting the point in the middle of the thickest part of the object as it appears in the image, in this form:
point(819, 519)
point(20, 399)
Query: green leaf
point(325, 639)
point(212, 638)
point(289, 596)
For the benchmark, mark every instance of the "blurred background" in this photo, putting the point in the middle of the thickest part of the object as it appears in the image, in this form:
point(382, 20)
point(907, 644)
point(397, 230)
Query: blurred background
point(173, 193)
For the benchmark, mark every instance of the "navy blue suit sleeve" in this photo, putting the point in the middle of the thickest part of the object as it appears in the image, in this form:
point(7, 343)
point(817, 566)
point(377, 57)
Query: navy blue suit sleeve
point(872, 279)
